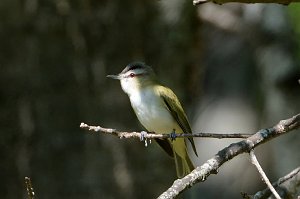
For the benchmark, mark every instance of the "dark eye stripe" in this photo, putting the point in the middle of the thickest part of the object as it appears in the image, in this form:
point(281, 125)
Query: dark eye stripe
point(131, 75)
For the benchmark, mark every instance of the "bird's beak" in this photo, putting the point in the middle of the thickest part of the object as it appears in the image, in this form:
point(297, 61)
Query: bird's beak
point(114, 76)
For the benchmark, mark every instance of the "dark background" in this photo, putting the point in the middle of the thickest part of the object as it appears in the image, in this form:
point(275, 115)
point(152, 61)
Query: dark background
point(235, 68)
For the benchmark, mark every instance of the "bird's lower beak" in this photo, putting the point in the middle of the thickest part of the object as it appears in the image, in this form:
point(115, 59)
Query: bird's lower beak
point(114, 76)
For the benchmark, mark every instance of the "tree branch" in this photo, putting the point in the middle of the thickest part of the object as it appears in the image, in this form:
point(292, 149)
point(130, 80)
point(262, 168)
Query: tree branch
point(290, 183)
point(152, 135)
point(29, 188)
point(212, 165)
point(262, 174)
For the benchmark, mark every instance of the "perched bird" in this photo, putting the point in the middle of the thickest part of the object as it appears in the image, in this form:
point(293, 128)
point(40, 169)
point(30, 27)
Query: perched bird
point(158, 110)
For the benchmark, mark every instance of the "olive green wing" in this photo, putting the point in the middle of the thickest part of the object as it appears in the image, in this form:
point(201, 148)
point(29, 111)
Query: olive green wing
point(172, 103)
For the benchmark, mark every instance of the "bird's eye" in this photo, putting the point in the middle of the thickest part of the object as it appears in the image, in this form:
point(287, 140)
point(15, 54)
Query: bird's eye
point(131, 75)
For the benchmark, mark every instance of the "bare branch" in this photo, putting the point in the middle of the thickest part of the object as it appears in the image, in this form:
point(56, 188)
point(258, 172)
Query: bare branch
point(151, 135)
point(262, 174)
point(29, 188)
point(290, 183)
point(212, 165)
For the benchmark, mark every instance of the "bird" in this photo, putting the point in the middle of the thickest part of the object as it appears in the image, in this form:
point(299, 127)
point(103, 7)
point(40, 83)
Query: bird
point(159, 110)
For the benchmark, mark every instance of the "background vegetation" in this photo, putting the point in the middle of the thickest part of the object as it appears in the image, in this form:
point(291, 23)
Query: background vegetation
point(234, 67)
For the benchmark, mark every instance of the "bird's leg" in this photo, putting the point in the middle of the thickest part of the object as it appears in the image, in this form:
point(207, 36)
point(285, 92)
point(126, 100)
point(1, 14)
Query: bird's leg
point(173, 135)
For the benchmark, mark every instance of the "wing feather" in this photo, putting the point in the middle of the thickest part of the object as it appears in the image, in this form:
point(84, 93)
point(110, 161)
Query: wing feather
point(172, 103)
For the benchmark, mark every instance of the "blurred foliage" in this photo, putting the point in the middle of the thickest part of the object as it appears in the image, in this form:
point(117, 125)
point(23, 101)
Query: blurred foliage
point(54, 58)
point(294, 13)
point(55, 55)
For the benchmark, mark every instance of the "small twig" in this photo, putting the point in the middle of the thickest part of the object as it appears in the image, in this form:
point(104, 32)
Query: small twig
point(262, 174)
point(29, 188)
point(151, 135)
point(287, 181)
point(287, 177)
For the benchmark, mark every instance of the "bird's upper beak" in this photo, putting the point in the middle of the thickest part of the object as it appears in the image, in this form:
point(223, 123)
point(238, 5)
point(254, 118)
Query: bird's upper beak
point(114, 76)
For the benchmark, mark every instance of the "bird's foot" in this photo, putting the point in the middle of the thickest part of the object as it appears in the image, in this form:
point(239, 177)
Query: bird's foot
point(143, 138)
point(173, 135)
point(143, 135)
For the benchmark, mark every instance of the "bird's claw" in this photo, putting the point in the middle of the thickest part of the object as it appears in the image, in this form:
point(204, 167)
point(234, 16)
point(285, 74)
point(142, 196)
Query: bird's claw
point(173, 135)
point(143, 138)
point(143, 135)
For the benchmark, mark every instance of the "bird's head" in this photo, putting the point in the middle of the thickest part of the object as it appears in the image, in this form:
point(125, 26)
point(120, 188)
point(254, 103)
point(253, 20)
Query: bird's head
point(135, 76)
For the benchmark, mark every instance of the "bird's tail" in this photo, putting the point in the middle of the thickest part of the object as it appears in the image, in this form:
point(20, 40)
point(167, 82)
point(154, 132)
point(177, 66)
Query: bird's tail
point(183, 164)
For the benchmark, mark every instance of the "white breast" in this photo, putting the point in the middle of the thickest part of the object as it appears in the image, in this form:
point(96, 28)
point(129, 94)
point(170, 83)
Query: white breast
point(152, 112)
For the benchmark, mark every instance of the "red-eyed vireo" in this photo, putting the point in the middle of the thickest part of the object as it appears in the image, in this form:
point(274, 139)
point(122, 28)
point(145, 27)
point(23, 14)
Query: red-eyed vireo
point(159, 110)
